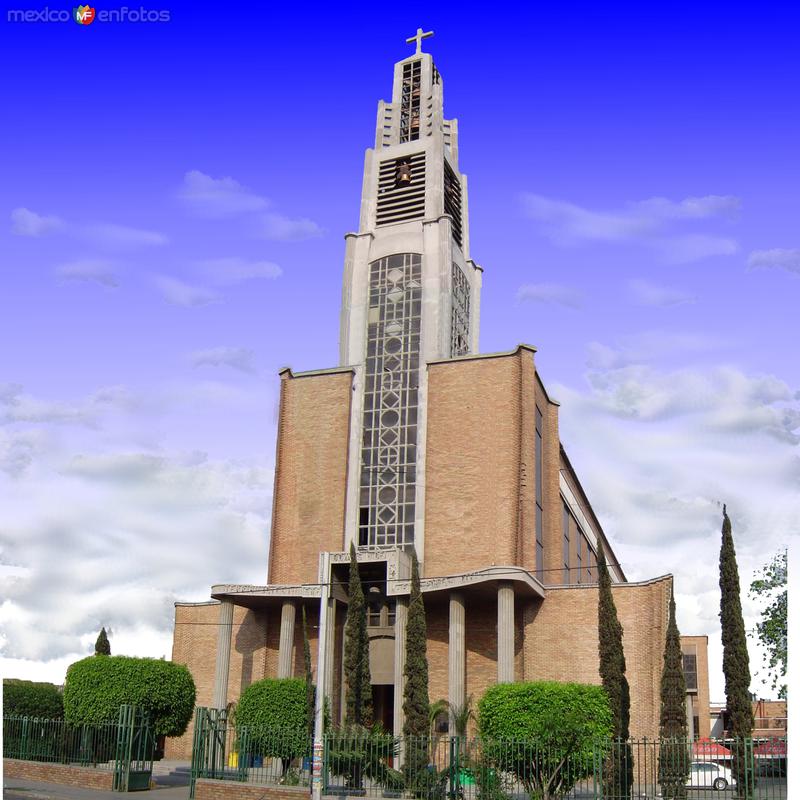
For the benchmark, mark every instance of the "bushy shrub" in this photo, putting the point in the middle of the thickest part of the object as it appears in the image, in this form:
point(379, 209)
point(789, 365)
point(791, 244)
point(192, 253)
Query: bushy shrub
point(275, 713)
point(544, 732)
point(97, 687)
point(31, 699)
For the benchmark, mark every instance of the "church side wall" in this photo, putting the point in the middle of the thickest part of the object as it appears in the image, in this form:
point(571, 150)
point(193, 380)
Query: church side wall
point(552, 535)
point(572, 654)
point(310, 474)
point(195, 644)
point(472, 450)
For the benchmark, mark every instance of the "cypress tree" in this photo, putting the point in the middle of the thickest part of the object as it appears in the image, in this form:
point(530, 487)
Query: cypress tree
point(358, 700)
point(416, 704)
point(673, 756)
point(735, 660)
point(618, 769)
point(102, 647)
point(309, 677)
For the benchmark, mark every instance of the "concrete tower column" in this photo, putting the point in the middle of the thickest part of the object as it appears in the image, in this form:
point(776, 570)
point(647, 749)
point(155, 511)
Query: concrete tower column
point(400, 621)
point(690, 718)
point(286, 647)
point(224, 634)
point(456, 655)
point(505, 633)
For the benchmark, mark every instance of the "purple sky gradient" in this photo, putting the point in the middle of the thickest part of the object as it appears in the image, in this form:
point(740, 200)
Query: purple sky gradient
point(172, 204)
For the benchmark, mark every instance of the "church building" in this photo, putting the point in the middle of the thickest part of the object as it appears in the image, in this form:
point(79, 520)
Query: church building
point(419, 442)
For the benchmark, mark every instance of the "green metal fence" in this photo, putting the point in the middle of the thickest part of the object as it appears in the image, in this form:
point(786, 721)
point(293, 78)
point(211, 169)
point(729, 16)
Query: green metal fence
point(470, 768)
point(57, 741)
point(124, 747)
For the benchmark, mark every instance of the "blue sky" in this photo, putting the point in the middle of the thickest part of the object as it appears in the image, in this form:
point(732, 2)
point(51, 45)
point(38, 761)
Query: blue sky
point(172, 205)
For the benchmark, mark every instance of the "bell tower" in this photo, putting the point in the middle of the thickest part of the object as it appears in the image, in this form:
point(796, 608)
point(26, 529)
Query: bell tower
point(411, 295)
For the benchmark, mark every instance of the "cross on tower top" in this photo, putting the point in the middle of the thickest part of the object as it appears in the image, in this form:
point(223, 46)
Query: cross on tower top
point(418, 38)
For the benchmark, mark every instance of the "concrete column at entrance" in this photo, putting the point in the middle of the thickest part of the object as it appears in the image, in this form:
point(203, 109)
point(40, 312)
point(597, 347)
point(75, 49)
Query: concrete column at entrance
point(456, 655)
point(224, 634)
point(330, 644)
point(505, 633)
point(400, 620)
point(286, 646)
point(690, 718)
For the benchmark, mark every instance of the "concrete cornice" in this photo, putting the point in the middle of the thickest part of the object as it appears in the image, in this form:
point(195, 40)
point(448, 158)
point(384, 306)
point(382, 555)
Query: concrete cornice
point(521, 578)
point(474, 356)
point(615, 586)
point(310, 373)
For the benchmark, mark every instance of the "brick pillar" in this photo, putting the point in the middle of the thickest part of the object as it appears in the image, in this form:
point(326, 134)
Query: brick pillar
point(505, 632)
point(286, 646)
point(224, 634)
point(456, 655)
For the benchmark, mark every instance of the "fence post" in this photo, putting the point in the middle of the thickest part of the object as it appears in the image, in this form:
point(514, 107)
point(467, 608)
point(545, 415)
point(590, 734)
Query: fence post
point(23, 748)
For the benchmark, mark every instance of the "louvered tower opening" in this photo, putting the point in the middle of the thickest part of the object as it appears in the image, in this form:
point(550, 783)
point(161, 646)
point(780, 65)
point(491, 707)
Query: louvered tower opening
point(452, 201)
point(399, 199)
point(410, 101)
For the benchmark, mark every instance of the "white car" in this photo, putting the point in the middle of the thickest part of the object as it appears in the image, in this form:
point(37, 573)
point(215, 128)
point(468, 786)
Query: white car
point(705, 774)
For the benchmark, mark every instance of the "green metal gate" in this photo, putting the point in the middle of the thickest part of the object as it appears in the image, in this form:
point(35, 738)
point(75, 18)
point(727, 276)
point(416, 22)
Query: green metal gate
point(213, 756)
point(133, 763)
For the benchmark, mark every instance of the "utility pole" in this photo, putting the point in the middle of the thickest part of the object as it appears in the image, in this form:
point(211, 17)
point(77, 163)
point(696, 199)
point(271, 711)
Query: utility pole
point(322, 670)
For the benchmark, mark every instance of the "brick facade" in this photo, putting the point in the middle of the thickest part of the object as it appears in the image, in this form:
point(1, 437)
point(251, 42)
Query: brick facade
point(310, 473)
point(480, 497)
point(195, 644)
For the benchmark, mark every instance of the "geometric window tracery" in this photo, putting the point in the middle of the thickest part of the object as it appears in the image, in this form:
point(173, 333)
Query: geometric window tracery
point(459, 315)
point(387, 489)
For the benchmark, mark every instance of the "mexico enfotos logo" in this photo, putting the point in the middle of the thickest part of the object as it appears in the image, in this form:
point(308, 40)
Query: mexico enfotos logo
point(85, 15)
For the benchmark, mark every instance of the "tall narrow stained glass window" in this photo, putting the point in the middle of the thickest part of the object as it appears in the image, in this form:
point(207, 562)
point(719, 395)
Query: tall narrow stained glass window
point(389, 444)
point(459, 316)
point(539, 498)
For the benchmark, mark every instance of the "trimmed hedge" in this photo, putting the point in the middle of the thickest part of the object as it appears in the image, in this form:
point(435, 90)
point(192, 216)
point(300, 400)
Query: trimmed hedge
point(545, 712)
point(97, 687)
point(544, 732)
point(31, 699)
point(275, 712)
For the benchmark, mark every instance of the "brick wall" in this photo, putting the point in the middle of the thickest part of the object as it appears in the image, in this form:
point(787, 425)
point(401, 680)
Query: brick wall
point(195, 644)
point(473, 464)
point(310, 473)
point(561, 642)
point(207, 789)
point(58, 773)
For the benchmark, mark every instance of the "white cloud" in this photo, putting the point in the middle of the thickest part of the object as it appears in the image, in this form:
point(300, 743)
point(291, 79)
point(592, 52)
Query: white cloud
point(28, 223)
point(16, 406)
point(102, 234)
point(649, 222)
point(694, 247)
point(659, 450)
point(552, 293)
point(112, 506)
point(648, 346)
point(111, 236)
point(285, 229)
point(237, 270)
point(650, 294)
point(218, 197)
point(184, 294)
point(776, 258)
point(239, 358)
point(89, 270)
